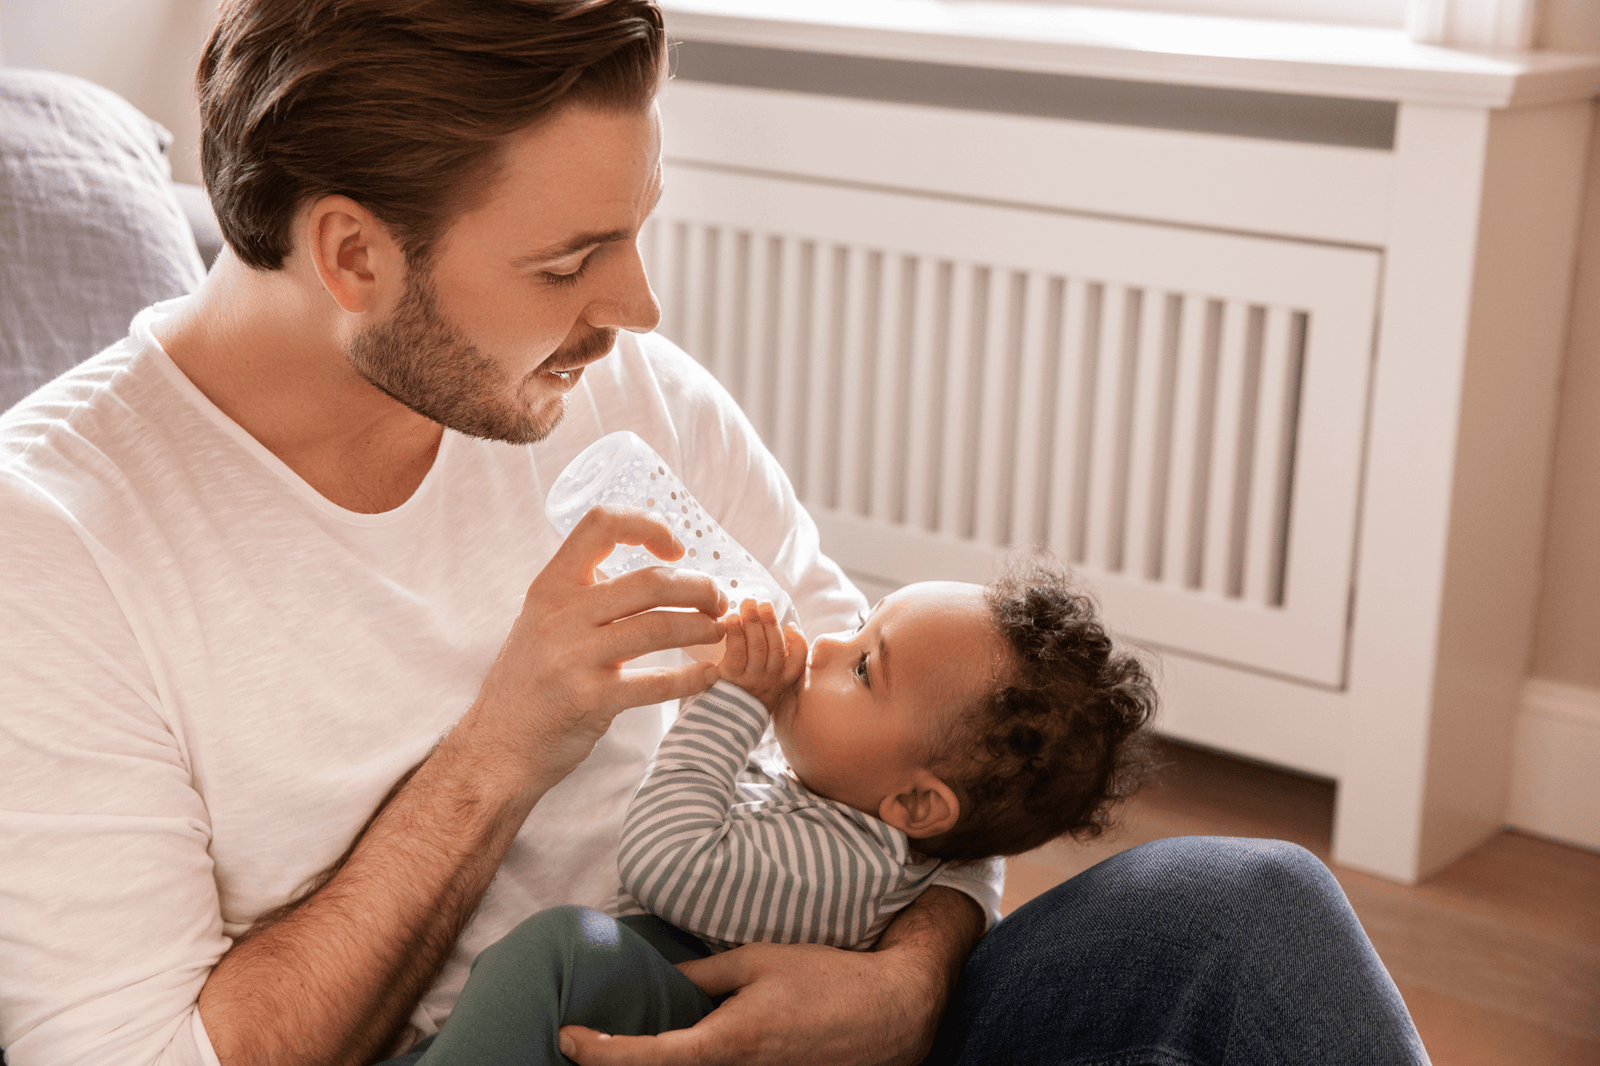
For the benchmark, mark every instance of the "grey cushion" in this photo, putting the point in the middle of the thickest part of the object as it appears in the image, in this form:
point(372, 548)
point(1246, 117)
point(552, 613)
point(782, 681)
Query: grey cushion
point(90, 231)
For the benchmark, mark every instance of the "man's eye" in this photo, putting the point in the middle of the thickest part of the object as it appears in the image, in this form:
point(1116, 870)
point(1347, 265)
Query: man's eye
point(566, 279)
point(861, 671)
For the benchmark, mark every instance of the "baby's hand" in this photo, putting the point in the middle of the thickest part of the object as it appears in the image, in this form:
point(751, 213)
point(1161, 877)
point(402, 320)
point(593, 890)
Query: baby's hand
point(758, 657)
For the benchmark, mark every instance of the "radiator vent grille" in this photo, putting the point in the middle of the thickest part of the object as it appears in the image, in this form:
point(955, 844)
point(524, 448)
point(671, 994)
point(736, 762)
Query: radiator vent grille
point(1179, 413)
point(1133, 430)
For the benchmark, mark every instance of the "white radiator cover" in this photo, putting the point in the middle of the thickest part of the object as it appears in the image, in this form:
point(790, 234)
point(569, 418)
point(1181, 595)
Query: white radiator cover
point(1177, 412)
point(1288, 405)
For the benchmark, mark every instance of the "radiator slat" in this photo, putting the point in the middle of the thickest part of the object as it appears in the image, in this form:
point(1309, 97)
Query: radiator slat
point(921, 466)
point(1225, 445)
point(1180, 561)
point(1271, 440)
point(952, 428)
point(760, 333)
point(996, 400)
point(733, 326)
point(794, 319)
point(886, 418)
point(1074, 415)
point(1145, 434)
point(697, 301)
point(1041, 297)
point(857, 375)
point(820, 393)
point(1103, 547)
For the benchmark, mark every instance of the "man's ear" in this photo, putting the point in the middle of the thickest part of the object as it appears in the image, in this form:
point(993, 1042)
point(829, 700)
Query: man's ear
point(926, 807)
point(360, 264)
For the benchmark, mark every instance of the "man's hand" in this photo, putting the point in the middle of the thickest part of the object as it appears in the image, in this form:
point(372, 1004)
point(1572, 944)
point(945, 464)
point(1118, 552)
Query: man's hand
point(559, 679)
point(811, 1005)
point(759, 657)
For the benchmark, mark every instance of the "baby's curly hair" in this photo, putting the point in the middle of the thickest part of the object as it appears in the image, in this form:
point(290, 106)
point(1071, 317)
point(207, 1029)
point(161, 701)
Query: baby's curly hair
point(1063, 739)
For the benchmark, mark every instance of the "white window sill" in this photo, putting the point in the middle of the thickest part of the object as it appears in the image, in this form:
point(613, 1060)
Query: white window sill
point(1257, 54)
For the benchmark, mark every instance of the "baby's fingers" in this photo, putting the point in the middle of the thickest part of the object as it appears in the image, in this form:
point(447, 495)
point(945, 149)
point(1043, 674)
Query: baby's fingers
point(736, 650)
point(794, 654)
point(756, 634)
point(773, 638)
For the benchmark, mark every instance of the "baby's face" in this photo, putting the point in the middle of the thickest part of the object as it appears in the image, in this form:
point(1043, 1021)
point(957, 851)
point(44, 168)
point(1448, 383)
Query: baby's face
point(873, 698)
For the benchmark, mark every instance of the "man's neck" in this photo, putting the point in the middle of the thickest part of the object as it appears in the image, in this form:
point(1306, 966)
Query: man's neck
point(266, 349)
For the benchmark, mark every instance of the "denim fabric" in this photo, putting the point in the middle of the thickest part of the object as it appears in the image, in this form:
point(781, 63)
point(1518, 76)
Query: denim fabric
point(1194, 951)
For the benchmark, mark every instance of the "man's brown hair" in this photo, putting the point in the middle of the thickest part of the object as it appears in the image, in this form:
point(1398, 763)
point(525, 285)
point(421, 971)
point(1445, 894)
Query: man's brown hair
point(401, 105)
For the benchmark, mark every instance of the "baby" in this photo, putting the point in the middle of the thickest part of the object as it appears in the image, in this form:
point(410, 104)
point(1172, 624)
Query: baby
point(956, 722)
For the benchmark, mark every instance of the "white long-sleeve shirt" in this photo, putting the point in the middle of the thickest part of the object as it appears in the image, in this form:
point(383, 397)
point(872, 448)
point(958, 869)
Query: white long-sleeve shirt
point(734, 849)
point(210, 675)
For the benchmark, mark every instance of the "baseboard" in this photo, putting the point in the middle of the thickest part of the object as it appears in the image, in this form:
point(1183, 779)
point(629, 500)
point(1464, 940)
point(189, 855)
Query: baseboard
point(1555, 786)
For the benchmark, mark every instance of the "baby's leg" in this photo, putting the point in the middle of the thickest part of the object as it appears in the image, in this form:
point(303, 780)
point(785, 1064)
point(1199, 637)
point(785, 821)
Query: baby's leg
point(564, 966)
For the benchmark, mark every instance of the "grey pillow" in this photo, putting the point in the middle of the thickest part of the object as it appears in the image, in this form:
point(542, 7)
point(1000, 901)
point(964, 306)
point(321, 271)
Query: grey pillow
point(90, 231)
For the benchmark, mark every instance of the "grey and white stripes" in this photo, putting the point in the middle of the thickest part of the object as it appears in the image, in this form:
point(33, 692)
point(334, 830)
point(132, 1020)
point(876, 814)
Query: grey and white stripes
point(735, 850)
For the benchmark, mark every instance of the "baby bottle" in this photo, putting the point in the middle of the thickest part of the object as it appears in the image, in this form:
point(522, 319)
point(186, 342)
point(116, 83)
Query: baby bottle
point(620, 468)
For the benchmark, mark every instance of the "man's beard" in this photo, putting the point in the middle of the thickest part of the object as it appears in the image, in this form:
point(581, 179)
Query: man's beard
point(420, 359)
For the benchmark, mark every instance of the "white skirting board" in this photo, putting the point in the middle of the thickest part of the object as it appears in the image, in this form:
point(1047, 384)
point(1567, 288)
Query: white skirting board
point(1555, 769)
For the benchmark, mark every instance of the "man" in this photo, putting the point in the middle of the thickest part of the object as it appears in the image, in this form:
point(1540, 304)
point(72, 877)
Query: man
point(301, 703)
point(275, 578)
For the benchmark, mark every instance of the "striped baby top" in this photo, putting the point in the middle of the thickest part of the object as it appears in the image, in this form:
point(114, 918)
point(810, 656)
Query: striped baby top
point(733, 849)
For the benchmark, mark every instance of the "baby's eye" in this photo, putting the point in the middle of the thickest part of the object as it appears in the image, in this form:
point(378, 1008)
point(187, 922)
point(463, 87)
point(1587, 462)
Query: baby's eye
point(861, 671)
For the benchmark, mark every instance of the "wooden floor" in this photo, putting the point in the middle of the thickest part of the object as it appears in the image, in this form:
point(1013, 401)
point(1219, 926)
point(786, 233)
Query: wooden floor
point(1498, 956)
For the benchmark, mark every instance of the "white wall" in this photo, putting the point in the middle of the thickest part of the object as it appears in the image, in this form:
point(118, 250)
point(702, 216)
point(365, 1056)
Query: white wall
point(144, 50)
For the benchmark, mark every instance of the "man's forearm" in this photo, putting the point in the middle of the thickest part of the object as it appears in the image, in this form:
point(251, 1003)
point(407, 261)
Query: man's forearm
point(334, 979)
point(933, 937)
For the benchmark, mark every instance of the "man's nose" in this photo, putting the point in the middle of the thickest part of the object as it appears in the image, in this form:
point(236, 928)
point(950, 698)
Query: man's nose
point(626, 302)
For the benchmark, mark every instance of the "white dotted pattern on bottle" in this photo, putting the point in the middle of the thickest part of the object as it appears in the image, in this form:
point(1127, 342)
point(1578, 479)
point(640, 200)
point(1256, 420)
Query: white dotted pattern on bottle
point(621, 469)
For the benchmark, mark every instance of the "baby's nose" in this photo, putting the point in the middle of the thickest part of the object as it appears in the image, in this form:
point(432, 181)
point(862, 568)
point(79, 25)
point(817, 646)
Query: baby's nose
point(823, 647)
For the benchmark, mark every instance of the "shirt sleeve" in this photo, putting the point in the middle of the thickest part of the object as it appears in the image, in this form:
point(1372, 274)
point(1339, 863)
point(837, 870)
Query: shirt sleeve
point(109, 916)
point(984, 880)
point(731, 870)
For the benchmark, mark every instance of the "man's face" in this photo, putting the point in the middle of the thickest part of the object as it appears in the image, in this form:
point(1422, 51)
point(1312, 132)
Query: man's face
point(529, 286)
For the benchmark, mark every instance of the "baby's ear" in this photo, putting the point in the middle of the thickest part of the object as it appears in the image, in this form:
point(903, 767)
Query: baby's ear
point(926, 807)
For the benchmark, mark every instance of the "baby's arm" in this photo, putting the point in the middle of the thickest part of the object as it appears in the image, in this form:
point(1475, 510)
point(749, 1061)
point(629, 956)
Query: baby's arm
point(732, 869)
point(759, 657)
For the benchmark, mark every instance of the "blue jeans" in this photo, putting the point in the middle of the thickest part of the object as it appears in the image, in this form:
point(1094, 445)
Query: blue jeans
point(1197, 951)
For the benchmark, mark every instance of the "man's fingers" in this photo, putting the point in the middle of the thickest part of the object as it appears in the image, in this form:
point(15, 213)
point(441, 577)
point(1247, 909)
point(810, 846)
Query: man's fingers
point(589, 1048)
point(659, 586)
point(600, 530)
point(657, 684)
point(640, 634)
point(719, 974)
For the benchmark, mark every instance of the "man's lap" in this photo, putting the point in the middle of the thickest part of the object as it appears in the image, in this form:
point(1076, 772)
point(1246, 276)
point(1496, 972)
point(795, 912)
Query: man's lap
point(1192, 950)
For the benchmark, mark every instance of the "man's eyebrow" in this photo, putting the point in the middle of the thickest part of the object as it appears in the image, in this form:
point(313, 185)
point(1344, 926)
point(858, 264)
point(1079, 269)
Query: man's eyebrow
point(578, 242)
point(571, 246)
